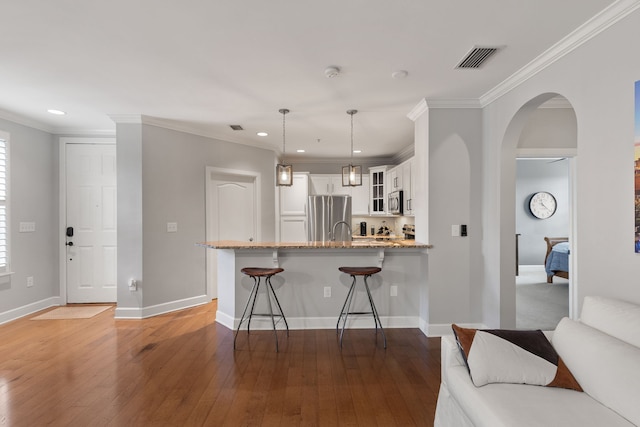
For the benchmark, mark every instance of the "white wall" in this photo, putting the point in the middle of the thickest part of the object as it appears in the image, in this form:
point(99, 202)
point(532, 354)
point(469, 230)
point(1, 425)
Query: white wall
point(162, 178)
point(597, 79)
point(33, 164)
point(533, 175)
point(454, 186)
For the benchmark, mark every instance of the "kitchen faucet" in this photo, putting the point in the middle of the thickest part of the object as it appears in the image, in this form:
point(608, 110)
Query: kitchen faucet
point(333, 232)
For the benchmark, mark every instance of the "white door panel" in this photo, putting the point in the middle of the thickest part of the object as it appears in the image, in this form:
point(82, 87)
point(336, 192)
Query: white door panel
point(232, 214)
point(91, 211)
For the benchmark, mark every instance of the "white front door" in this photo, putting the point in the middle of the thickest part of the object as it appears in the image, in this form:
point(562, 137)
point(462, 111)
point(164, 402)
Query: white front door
point(91, 223)
point(232, 214)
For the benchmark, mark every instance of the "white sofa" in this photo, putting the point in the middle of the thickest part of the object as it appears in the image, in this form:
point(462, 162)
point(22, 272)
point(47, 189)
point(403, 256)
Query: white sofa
point(602, 351)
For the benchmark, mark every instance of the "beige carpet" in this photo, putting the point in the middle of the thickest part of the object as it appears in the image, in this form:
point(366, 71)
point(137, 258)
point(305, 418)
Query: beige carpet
point(80, 312)
point(540, 305)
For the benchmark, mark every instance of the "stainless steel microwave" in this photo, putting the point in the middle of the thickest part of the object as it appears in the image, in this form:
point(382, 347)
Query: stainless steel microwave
point(395, 202)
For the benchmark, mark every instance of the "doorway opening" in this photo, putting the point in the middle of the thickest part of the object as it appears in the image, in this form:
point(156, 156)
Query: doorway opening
point(232, 209)
point(544, 127)
point(540, 304)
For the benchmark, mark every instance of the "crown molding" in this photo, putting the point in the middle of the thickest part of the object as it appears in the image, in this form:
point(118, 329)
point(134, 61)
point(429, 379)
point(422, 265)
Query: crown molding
point(455, 103)
point(418, 110)
point(594, 26)
point(126, 118)
point(25, 121)
point(182, 127)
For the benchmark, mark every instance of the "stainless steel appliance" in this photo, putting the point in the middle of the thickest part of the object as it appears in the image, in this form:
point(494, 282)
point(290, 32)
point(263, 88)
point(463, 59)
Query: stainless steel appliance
point(395, 202)
point(329, 218)
point(409, 231)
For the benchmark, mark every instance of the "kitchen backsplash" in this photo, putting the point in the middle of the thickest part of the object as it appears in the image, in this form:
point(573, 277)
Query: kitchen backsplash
point(393, 223)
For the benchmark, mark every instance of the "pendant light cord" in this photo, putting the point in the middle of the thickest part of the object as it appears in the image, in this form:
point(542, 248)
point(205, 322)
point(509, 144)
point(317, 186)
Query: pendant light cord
point(351, 113)
point(284, 112)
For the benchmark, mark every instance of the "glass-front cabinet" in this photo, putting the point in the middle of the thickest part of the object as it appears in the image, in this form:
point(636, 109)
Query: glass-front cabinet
point(377, 177)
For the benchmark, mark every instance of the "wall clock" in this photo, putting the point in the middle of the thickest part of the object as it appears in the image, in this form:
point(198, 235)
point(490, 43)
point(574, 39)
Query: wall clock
point(542, 205)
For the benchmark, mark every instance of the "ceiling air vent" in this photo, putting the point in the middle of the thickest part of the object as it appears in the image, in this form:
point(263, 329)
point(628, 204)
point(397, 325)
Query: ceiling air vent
point(476, 57)
point(236, 127)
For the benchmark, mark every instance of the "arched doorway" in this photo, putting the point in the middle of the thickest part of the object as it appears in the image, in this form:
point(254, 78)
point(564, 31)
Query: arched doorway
point(517, 143)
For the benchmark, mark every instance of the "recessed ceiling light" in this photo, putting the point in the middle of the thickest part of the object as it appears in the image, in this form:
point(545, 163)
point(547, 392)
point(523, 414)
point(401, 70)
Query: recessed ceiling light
point(56, 112)
point(262, 134)
point(300, 151)
point(357, 151)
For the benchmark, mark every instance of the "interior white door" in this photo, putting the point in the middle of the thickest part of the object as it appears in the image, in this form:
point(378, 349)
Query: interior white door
point(91, 223)
point(232, 214)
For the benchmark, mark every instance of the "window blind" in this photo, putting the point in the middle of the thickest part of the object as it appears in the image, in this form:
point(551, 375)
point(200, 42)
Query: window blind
point(4, 258)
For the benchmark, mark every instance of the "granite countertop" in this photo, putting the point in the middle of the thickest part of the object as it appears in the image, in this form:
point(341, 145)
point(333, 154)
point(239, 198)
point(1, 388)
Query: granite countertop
point(356, 244)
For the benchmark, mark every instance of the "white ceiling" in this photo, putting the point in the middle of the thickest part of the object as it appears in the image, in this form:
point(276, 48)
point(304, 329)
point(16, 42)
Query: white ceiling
point(202, 65)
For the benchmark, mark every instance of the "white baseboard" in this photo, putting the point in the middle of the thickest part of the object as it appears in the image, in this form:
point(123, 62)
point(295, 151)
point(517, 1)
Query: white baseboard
point(264, 323)
point(531, 268)
point(25, 310)
point(155, 310)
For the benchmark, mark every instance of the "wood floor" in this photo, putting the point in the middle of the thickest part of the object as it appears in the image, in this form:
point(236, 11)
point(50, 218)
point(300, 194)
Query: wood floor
point(180, 369)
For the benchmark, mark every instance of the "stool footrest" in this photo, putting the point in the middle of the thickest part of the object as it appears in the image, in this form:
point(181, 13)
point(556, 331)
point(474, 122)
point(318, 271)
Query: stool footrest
point(256, 273)
point(366, 272)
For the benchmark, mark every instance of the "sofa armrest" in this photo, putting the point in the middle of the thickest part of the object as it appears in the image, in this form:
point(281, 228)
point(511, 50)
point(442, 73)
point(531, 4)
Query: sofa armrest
point(450, 355)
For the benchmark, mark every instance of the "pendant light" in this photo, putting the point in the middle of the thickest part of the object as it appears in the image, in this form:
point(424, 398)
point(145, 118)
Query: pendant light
point(284, 172)
point(351, 174)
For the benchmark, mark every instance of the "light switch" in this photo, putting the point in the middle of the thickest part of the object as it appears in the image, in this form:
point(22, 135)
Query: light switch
point(455, 230)
point(27, 227)
point(172, 227)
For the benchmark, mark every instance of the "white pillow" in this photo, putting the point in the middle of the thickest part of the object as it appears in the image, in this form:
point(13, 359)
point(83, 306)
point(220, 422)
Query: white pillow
point(617, 318)
point(607, 368)
point(512, 356)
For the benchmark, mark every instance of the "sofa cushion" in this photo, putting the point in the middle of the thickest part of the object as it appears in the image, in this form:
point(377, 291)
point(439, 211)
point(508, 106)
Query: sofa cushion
point(511, 356)
point(617, 318)
point(606, 367)
point(508, 405)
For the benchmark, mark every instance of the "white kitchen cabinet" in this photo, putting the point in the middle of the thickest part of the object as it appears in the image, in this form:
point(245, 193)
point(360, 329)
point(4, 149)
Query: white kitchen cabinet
point(327, 184)
point(395, 175)
point(408, 186)
point(360, 197)
point(293, 199)
point(378, 194)
point(293, 229)
point(293, 209)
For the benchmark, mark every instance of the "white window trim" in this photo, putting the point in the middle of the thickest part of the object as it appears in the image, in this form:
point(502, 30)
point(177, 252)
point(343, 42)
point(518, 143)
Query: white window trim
point(6, 271)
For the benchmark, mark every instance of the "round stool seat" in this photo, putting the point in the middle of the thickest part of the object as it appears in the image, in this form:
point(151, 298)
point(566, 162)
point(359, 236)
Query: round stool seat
point(360, 271)
point(261, 272)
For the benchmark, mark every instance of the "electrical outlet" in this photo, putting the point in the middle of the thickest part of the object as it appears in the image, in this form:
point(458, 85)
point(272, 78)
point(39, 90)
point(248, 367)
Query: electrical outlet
point(393, 290)
point(29, 281)
point(133, 285)
point(455, 230)
point(172, 227)
point(327, 291)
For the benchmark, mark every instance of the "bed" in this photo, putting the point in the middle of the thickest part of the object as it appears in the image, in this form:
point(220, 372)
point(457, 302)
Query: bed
point(556, 261)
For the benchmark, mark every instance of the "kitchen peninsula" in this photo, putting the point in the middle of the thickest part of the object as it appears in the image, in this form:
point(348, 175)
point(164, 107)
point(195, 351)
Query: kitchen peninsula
point(311, 290)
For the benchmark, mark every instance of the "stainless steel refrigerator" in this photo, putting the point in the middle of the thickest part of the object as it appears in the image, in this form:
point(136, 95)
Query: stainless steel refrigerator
point(328, 215)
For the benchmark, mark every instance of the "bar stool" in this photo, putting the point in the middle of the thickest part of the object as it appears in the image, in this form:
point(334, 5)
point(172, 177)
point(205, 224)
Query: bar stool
point(256, 273)
point(346, 307)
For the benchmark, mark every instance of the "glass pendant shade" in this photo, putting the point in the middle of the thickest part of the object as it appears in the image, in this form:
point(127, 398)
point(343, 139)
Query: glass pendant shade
point(284, 172)
point(284, 175)
point(351, 174)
